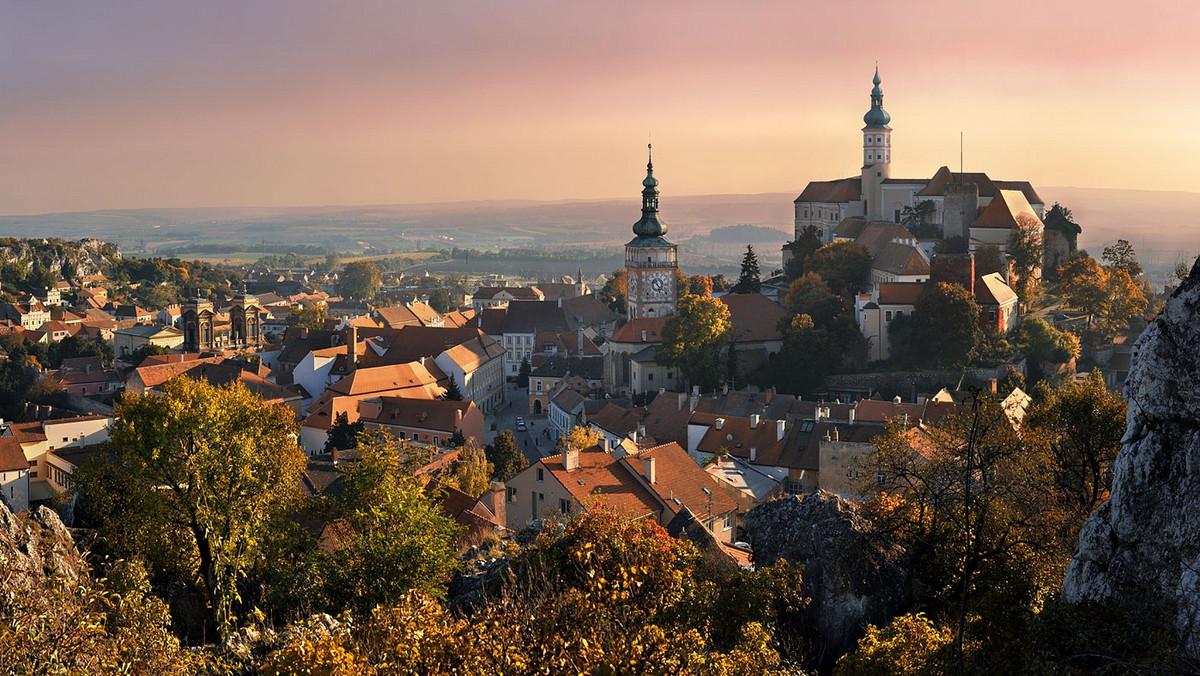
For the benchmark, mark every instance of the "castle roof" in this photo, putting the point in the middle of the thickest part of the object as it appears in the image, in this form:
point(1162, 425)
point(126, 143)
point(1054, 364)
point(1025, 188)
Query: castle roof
point(839, 190)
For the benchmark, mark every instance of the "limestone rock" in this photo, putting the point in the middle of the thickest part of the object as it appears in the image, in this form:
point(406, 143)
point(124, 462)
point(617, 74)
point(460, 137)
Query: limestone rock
point(852, 576)
point(34, 546)
point(1141, 549)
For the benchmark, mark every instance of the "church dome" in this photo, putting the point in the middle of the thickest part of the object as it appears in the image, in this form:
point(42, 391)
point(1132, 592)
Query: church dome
point(877, 117)
point(649, 226)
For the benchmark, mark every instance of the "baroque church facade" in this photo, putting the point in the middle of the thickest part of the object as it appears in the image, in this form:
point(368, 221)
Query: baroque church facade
point(956, 200)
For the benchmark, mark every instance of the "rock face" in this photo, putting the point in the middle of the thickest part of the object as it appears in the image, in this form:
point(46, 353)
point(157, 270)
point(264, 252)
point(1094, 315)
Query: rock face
point(34, 546)
point(853, 577)
point(1140, 550)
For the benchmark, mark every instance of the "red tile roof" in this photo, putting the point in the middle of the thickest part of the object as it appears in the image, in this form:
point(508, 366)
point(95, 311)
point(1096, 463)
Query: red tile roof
point(599, 475)
point(11, 455)
point(839, 190)
point(754, 316)
point(631, 331)
point(680, 482)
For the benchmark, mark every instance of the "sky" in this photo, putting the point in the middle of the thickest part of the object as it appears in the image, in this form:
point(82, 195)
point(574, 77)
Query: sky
point(123, 104)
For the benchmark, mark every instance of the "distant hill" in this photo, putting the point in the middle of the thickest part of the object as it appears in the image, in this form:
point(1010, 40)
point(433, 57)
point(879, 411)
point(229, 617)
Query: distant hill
point(1161, 225)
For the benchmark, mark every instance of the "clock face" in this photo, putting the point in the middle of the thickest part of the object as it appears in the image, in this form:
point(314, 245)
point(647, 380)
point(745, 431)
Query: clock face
point(658, 284)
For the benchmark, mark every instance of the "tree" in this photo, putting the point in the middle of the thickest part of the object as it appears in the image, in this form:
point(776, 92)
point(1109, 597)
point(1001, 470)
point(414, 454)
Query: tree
point(440, 301)
point(810, 295)
point(1121, 256)
point(1042, 342)
point(190, 480)
point(945, 325)
point(845, 267)
point(748, 280)
point(718, 283)
point(392, 536)
point(988, 259)
point(693, 339)
point(699, 285)
point(1082, 424)
point(523, 373)
point(578, 438)
point(359, 280)
point(1083, 284)
point(139, 355)
point(909, 644)
point(311, 317)
point(918, 219)
point(1125, 298)
point(805, 245)
point(1025, 249)
point(1061, 219)
point(805, 359)
point(616, 291)
point(505, 456)
point(452, 392)
point(343, 434)
point(681, 283)
point(471, 472)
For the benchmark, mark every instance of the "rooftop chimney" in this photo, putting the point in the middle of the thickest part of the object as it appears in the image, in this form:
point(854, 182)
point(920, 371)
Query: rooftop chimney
point(850, 416)
point(606, 443)
point(682, 398)
point(720, 423)
point(780, 428)
point(334, 454)
point(571, 459)
point(351, 345)
point(494, 501)
point(753, 453)
point(648, 465)
point(754, 421)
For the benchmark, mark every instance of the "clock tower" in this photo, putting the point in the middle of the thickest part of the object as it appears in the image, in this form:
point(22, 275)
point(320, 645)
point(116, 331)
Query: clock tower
point(650, 259)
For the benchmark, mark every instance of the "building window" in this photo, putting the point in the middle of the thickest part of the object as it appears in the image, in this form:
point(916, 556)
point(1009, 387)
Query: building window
point(541, 474)
point(400, 435)
point(512, 494)
point(649, 376)
point(435, 441)
point(564, 506)
point(728, 520)
point(670, 375)
point(887, 316)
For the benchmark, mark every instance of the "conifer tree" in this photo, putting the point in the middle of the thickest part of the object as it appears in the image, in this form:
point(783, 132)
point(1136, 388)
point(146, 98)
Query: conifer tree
point(748, 281)
point(452, 391)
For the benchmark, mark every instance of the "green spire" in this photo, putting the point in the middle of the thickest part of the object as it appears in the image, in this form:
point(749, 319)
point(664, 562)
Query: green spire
point(649, 225)
point(877, 117)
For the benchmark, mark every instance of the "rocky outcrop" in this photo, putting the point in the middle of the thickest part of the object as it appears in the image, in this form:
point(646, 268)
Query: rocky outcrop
point(1140, 551)
point(853, 576)
point(83, 257)
point(33, 547)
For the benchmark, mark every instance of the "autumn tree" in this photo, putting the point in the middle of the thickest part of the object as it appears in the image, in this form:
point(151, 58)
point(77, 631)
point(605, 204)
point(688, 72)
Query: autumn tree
point(190, 480)
point(505, 456)
point(945, 326)
point(616, 291)
point(1097, 290)
point(311, 317)
point(989, 259)
point(748, 280)
point(699, 285)
point(693, 339)
point(681, 283)
point(359, 280)
point(578, 437)
point(392, 537)
point(845, 267)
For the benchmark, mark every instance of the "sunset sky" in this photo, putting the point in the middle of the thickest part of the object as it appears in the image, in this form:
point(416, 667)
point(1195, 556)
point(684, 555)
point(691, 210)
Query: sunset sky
point(121, 104)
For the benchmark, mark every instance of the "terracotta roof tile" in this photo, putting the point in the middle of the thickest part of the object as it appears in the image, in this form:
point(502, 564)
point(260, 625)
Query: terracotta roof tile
point(839, 190)
point(680, 482)
point(598, 474)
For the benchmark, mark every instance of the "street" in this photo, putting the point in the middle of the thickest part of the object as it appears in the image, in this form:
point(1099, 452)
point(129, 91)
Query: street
point(534, 442)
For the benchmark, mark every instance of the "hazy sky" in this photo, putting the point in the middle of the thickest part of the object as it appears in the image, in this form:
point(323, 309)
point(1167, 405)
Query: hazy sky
point(120, 104)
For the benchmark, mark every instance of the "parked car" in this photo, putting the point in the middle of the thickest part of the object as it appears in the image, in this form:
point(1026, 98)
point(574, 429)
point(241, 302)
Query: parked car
point(520, 424)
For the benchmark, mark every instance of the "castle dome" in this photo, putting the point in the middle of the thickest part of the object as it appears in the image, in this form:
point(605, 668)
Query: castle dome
point(877, 117)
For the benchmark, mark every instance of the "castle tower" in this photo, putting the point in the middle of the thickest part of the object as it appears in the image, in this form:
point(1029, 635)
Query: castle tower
point(650, 259)
point(877, 152)
point(197, 320)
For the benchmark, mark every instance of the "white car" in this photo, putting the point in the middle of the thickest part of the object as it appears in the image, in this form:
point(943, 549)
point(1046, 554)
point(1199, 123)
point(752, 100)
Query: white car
point(520, 424)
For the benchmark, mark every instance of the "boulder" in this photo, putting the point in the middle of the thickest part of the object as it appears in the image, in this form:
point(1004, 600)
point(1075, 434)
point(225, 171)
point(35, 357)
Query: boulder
point(1140, 551)
point(33, 547)
point(853, 576)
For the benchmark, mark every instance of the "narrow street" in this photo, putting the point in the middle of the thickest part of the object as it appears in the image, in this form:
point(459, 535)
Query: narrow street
point(535, 441)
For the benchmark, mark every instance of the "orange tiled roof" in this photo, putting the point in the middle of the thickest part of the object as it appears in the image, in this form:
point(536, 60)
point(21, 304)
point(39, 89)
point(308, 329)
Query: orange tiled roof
point(680, 482)
point(839, 190)
point(754, 316)
point(598, 474)
point(631, 331)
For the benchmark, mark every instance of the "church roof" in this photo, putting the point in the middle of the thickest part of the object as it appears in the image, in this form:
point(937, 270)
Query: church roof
point(839, 190)
point(632, 331)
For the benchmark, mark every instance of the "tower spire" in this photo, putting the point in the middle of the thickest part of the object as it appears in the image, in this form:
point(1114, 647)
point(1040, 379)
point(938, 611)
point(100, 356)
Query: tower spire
point(649, 225)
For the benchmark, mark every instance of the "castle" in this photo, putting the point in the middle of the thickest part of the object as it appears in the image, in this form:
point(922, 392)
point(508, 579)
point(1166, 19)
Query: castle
point(954, 204)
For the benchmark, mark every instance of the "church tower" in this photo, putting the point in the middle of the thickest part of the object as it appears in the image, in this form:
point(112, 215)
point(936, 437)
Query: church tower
point(877, 152)
point(650, 260)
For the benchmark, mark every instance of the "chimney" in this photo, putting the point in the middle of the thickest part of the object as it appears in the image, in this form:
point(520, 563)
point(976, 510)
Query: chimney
point(334, 454)
point(695, 390)
point(648, 465)
point(571, 459)
point(836, 435)
point(725, 388)
point(897, 400)
point(351, 345)
point(754, 421)
point(720, 423)
point(604, 440)
point(682, 398)
point(850, 416)
point(494, 501)
point(780, 429)
point(458, 413)
point(422, 360)
point(753, 453)
point(662, 390)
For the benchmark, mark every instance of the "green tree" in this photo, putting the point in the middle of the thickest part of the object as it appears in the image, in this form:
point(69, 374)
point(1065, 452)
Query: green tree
point(1083, 284)
point(945, 325)
point(719, 283)
point(988, 259)
point(440, 301)
point(359, 280)
point(810, 295)
point(1025, 249)
point(343, 434)
point(505, 456)
point(805, 359)
point(471, 472)
point(1082, 424)
point(452, 391)
point(693, 340)
point(1038, 340)
point(845, 267)
point(908, 645)
point(801, 248)
point(523, 373)
point(1121, 256)
point(392, 536)
point(311, 317)
point(149, 349)
point(748, 280)
point(918, 219)
point(190, 480)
